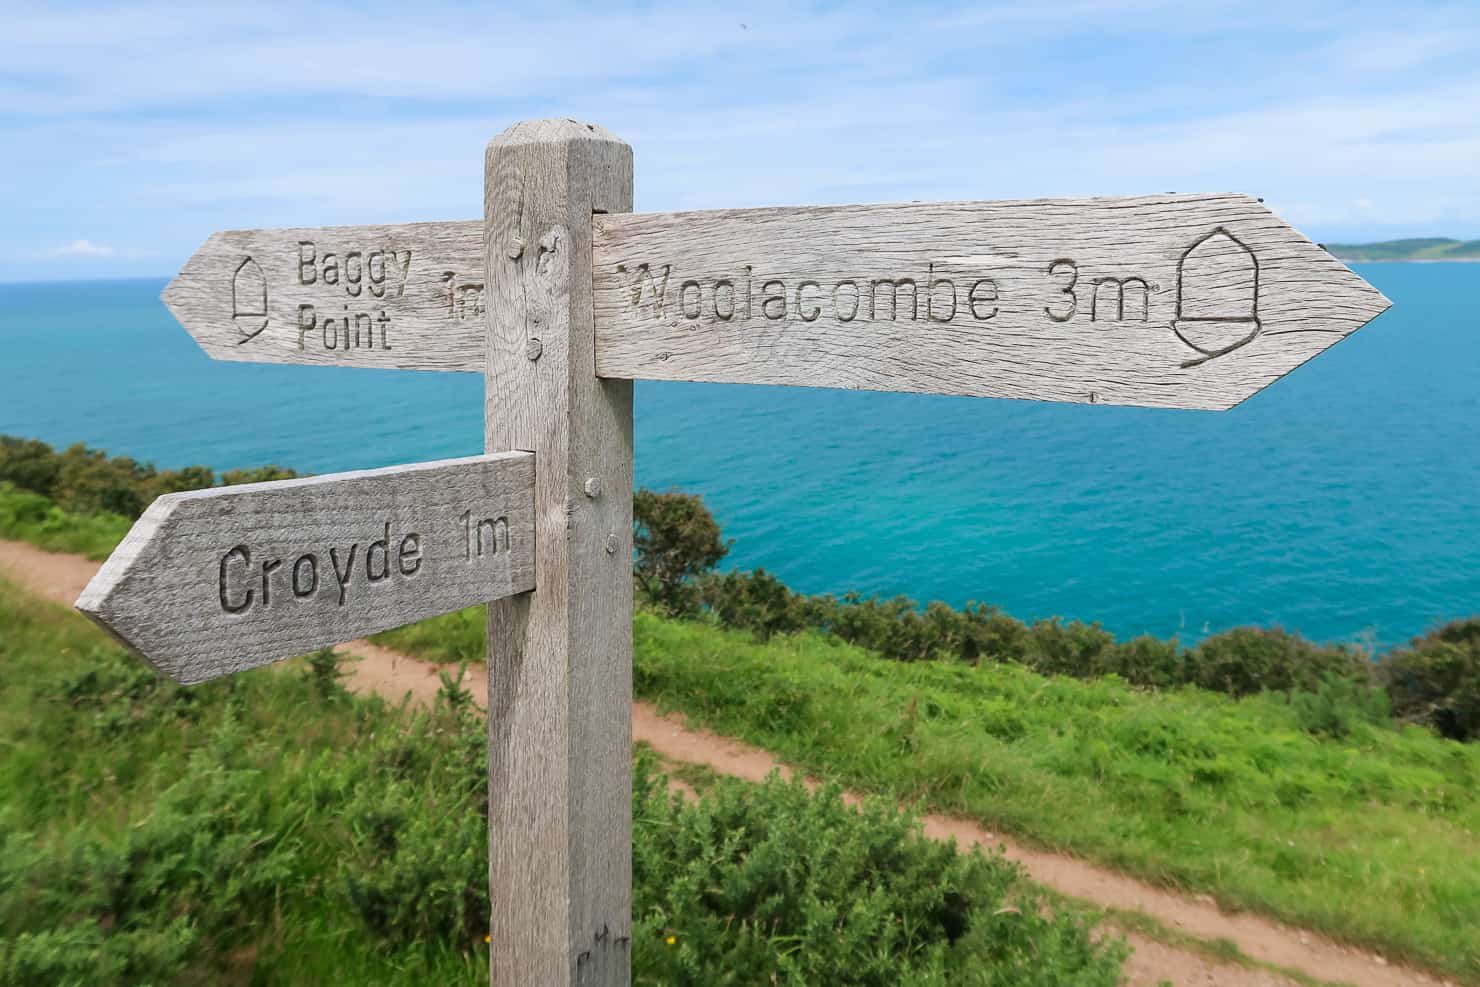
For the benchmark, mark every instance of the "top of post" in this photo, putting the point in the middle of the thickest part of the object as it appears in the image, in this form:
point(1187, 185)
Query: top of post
point(553, 131)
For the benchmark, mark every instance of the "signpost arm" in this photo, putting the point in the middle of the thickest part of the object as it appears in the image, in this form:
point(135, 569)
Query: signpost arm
point(560, 658)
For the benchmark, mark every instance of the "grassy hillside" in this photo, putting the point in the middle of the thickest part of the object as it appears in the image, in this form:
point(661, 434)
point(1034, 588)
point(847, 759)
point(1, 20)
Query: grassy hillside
point(1374, 838)
point(30, 517)
point(1418, 248)
point(1287, 805)
point(151, 834)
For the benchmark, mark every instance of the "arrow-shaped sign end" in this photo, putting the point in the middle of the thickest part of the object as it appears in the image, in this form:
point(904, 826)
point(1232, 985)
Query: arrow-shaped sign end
point(105, 600)
point(1348, 302)
point(173, 300)
point(1369, 304)
point(191, 298)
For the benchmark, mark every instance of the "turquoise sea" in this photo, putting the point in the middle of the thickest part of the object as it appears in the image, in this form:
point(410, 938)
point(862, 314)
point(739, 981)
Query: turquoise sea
point(1343, 502)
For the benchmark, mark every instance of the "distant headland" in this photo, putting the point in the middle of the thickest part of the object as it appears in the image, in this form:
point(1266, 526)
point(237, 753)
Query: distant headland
point(1416, 248)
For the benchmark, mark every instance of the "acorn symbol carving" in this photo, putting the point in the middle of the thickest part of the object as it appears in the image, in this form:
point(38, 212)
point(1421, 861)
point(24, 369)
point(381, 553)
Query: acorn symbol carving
point(249, 300)
point(1217, 296)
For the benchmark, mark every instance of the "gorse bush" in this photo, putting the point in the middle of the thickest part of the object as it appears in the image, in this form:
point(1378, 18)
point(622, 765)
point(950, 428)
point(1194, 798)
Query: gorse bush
point(37, 519)
point(674, 539)
point(1435, 680)
point(325, 670)
point(1338, 706)
point(268, 828)
point(184, 879)
point(1247, 660)
point(754, 601)
point(30, 464)
point(753, 885)
point(417, 865)
point(89, 481)
point(770, 884)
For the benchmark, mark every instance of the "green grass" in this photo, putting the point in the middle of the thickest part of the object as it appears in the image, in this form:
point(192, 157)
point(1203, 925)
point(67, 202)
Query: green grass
point(151, 833)
point(142, 822)
point(29, 517)
point(453, 638)
point(1374, 839)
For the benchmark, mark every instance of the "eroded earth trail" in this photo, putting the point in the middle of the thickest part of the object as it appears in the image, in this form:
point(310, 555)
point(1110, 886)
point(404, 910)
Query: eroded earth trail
point(61, 578)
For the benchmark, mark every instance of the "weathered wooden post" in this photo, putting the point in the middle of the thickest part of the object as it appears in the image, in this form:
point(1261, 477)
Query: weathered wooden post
point(560, 658)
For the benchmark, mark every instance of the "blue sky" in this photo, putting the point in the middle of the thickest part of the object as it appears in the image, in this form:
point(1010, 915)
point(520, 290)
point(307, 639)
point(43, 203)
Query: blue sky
point(131, 132)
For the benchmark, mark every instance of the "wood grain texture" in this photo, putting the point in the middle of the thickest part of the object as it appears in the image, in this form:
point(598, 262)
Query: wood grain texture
point(1178, 301)
point(212, 582)
point(560, 659)
point(408, 296)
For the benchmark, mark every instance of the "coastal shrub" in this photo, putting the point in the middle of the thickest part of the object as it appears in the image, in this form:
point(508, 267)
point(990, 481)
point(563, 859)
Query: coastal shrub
point(185, 878)
point(185, 478)
point(753, 601)
point(29, 464)
point(898, 629)
point(417, 865)
point(675, 539)
point(37, 519)
point(895, 628)
point(1145, 661)
point(257, 474)
point(89, 481)
point(1238, 662)
point(1246, 660)
point(1056, 647)
point(1337, 706)
point(980, 632)
point(325, 671)
point(765, 884)
point(1435, 680)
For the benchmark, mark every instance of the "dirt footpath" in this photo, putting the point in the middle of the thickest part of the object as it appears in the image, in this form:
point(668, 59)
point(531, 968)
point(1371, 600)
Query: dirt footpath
point(378, 670)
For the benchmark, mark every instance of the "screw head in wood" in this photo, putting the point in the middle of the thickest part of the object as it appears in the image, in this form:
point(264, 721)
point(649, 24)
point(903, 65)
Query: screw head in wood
point(533, 348)
point(515, 249)
point(593, 486)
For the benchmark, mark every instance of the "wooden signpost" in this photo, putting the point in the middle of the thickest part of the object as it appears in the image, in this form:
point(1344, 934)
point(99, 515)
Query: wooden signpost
point(1177, 301)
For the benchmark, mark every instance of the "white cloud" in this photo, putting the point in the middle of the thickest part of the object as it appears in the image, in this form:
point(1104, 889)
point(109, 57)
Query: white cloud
point(90, 250)
point(81, 248)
